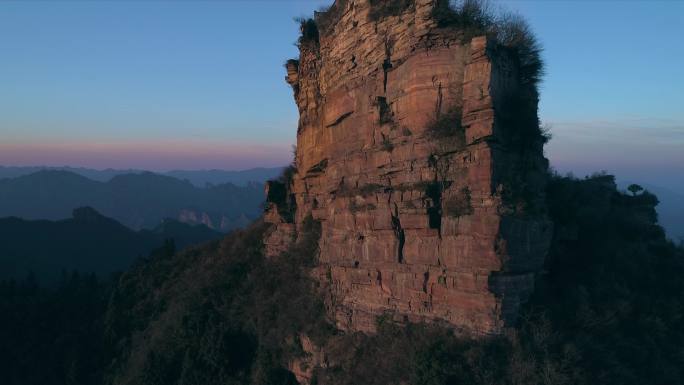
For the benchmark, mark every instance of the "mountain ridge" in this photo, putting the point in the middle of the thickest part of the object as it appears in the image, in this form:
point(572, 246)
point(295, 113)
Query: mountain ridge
point(88, 242)
point(200, 178)
point(140, 200)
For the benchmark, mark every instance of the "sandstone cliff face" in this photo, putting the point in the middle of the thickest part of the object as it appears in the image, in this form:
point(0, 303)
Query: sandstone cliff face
point(407, 154)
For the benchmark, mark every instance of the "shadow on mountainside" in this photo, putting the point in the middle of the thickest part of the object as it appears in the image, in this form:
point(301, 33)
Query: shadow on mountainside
point(88, 243)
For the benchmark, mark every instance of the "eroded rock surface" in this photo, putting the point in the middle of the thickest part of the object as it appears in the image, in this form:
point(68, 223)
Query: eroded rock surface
point(430, 210)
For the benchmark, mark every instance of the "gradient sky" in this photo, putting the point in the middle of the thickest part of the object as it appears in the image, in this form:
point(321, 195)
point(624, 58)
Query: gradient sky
point(186, 84)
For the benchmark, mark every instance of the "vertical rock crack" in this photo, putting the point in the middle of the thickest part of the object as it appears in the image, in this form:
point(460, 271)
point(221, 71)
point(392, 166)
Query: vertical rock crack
point(399, 233)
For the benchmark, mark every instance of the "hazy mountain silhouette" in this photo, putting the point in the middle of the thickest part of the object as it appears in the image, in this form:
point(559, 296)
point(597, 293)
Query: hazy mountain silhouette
point(98, 175)
point(197, 177)
point(136, 200)
point(201, 177)
point(88, 242)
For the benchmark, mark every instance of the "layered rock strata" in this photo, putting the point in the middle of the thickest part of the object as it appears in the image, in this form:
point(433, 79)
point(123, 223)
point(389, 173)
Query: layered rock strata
point(429, 210)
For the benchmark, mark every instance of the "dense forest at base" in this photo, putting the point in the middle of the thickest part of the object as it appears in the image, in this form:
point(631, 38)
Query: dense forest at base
point(608, 310)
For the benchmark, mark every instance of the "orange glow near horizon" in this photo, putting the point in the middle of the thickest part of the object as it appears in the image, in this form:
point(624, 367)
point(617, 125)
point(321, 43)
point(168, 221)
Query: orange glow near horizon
point(148, 155)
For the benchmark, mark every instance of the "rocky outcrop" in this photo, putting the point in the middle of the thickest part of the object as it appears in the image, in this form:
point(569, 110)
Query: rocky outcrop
point(410, 154)
point(219, 223)
point(314, 357)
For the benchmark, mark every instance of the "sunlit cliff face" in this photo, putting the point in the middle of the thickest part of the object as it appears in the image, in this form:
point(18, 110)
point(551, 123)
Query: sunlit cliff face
point(419, 151)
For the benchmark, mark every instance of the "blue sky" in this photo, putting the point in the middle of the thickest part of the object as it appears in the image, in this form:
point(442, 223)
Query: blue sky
point(190, 84)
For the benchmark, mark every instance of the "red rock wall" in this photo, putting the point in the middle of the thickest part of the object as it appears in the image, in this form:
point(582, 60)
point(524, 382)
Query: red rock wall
point(414, 226)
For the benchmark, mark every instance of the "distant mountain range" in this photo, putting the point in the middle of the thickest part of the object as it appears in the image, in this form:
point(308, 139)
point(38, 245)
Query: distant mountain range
point(88, 242)
point(138, 200)
point(52, 192)
point(198, 178)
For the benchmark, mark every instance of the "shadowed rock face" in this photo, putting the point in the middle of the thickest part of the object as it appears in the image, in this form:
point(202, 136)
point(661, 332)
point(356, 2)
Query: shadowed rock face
point(429, 210)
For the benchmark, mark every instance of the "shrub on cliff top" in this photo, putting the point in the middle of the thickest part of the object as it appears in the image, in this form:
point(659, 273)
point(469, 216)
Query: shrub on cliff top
point(512, 31)
point(326, 17)
point(379, 9)
point(309, 31)
point(472, 16)
point(476, 17)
